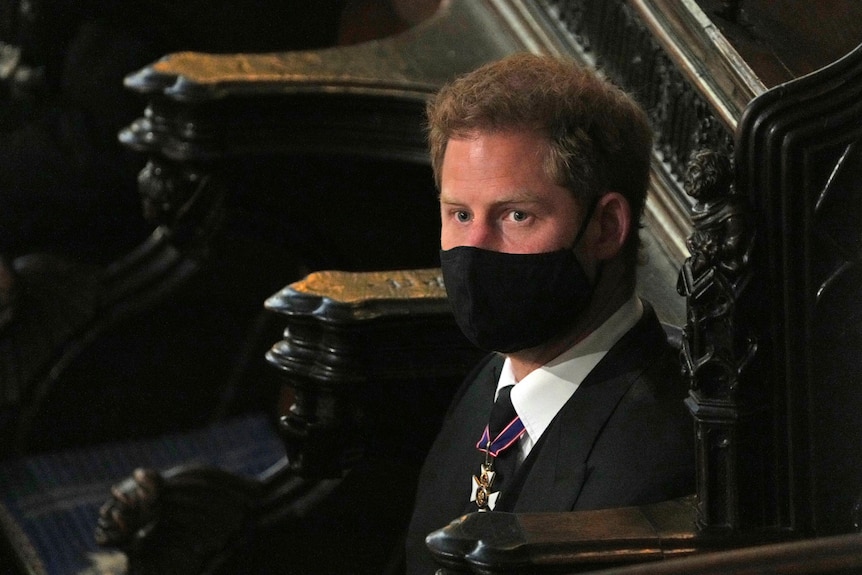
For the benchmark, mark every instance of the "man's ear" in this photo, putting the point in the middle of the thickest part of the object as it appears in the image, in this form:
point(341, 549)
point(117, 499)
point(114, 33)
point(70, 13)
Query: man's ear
point(614, 221)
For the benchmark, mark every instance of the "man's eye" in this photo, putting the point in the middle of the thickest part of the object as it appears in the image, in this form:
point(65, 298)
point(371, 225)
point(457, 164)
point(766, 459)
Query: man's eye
point(518, 216)
point(462, 216)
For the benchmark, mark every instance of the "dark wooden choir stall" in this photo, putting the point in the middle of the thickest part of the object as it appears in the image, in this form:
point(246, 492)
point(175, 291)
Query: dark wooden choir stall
point(753, 235)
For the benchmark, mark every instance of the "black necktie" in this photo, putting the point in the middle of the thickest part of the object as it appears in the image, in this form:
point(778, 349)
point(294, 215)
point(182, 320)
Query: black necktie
point(502, 413)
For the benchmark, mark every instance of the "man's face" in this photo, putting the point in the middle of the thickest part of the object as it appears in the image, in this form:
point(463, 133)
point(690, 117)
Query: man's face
point(496, 195)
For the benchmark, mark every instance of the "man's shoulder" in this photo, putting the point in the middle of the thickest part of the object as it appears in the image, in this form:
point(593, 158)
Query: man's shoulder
point(658, 379)
point(645, 350)
point(646, 364)
point(661, 376)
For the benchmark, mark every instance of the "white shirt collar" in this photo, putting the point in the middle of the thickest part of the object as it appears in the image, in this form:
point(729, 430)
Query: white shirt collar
point(540, 395)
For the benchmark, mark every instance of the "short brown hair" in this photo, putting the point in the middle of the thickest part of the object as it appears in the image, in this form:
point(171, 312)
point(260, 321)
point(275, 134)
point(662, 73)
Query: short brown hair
point(599, 137)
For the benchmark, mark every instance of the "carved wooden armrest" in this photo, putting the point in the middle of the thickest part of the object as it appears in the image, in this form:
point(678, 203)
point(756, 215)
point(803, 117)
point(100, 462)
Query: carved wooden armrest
point(498, 543)
point(632, 541)
point(366, 98)
point(357, 346)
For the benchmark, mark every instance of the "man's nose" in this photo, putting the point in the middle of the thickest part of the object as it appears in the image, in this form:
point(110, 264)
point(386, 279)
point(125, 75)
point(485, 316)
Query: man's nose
point(482, 235)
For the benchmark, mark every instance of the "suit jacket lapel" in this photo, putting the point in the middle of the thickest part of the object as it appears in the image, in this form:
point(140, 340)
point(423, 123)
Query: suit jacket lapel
point(555, 470)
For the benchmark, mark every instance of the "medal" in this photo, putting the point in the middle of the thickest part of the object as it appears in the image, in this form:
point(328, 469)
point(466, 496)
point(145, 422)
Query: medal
point(481, 494)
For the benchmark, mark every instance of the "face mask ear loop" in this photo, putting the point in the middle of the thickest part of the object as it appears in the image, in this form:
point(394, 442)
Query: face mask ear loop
point(586, 221)
point(590, 211)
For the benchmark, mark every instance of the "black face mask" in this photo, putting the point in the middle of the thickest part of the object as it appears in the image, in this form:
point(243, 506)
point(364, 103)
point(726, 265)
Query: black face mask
point(509, 302)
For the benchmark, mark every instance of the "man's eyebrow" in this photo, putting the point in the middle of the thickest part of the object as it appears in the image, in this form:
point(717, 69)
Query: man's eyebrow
point(518, 197)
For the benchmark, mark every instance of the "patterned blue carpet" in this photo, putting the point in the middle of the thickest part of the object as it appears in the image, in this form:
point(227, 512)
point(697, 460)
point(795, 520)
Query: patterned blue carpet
point(49, 503)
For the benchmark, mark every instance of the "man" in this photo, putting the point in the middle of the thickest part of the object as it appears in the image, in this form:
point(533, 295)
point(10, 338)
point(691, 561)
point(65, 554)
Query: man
point(543, 169)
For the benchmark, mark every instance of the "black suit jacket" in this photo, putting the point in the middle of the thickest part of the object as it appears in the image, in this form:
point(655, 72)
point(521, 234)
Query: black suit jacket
point(624, 438)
